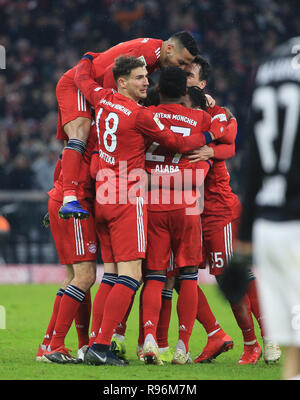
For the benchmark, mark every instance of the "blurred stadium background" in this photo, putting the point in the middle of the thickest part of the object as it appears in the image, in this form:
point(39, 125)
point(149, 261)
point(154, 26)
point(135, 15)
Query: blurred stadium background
point(44, 38)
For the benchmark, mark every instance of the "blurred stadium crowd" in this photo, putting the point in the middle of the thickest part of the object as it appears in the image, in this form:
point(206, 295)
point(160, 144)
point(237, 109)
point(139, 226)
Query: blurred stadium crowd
point(44, 38)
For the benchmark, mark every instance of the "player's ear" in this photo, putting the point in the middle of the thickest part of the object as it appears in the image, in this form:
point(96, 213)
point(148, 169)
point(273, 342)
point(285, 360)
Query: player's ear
point(170, 48)
point(122, 82)
point(203, 84)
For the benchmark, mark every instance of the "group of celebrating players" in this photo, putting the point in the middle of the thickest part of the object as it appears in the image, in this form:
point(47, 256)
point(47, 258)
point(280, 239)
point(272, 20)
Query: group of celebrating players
point(143, 178)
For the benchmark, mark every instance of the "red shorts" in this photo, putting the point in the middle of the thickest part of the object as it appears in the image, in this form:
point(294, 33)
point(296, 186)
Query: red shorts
point(173, 231)
point(218, 247)
point(122, 231)
point(75, 240)
point(71, 104)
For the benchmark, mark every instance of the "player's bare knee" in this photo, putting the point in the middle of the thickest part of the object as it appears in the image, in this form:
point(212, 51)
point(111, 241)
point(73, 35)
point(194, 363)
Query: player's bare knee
point(79, 129)
point(170, 283)
point(85, 275)
point(69, 276)
point(188, 270)
point(151, 272)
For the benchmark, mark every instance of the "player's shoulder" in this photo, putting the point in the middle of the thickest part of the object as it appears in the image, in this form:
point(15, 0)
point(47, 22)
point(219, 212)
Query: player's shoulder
point(149, 48)
point(148, 42)
point(282, 65)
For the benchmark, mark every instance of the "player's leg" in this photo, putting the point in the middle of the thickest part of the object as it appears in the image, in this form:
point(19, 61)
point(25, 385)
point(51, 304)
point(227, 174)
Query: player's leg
point(220, 246)
point(186, 246)
point(151, 303)
point(162, 332)
point(76, 244)
point(57, 300)
point(118, 339)
point(73, 297)
point(186, 310)
point(116, 306)
point(217, 340)
point(272, 351)
point(276, 250)
point(109, 278)
point(157, 262)
point(128, 232)
point(73, 126)
point(78, 132)
point(82, 324)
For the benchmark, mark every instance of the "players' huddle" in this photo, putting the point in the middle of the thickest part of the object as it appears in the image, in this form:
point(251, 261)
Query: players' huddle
point(143, 178)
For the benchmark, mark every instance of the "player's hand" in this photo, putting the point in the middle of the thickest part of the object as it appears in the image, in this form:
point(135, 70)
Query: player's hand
point(235, 279)
point(210, 101)
point(46, 220)
point(202, 154)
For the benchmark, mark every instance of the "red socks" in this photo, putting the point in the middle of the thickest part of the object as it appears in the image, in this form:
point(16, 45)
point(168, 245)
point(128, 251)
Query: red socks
point(151, 301)
point(187, 306)
point(50, 328)
point(204, 313)
point(254, 303)
point(116, 306)
point(164, 318)
point(243, 316)
point(82, 320)
point(70, 165)
point(68, 308)
point(121, 328)
point(106, 285)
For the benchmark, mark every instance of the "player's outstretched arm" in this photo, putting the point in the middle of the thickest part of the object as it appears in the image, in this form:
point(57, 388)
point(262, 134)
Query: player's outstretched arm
point(149, 125)
point(84, 81)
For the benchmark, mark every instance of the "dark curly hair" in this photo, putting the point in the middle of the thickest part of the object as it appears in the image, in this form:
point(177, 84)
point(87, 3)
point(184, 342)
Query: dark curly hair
point(197, 97)
point(172, 82)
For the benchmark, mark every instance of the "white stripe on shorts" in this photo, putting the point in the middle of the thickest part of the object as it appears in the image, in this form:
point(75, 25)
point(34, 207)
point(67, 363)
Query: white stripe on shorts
point(228, 241)
point(81, 100)
point(140, 224)
point(78, 237)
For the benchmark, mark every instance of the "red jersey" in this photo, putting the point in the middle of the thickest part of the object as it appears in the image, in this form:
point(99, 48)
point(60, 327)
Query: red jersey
point(220, 203)
point(145, 48)
point(122, 126)
point(162, 162)
point(85, 189)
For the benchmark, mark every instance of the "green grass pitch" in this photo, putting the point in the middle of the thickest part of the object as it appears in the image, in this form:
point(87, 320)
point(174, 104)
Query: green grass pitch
point(28, 309)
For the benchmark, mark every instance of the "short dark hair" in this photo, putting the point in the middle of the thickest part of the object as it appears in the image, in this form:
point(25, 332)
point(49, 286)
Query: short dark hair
point(205, 70)
point(187, 41)
point(124, 65)
point(152, 98)
point(197, 97)
point(172, 82)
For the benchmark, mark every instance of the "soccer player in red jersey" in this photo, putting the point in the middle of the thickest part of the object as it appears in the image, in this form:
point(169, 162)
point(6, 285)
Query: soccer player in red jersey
point(76, 243)
point(194, 98)
point(173, 222)
point(74, 114)
point(121, 215)
point(220, 221)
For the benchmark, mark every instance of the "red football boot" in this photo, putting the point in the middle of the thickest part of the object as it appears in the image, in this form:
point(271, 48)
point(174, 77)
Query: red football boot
point(60, 355)
point(251, 354)
point(216, 344)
